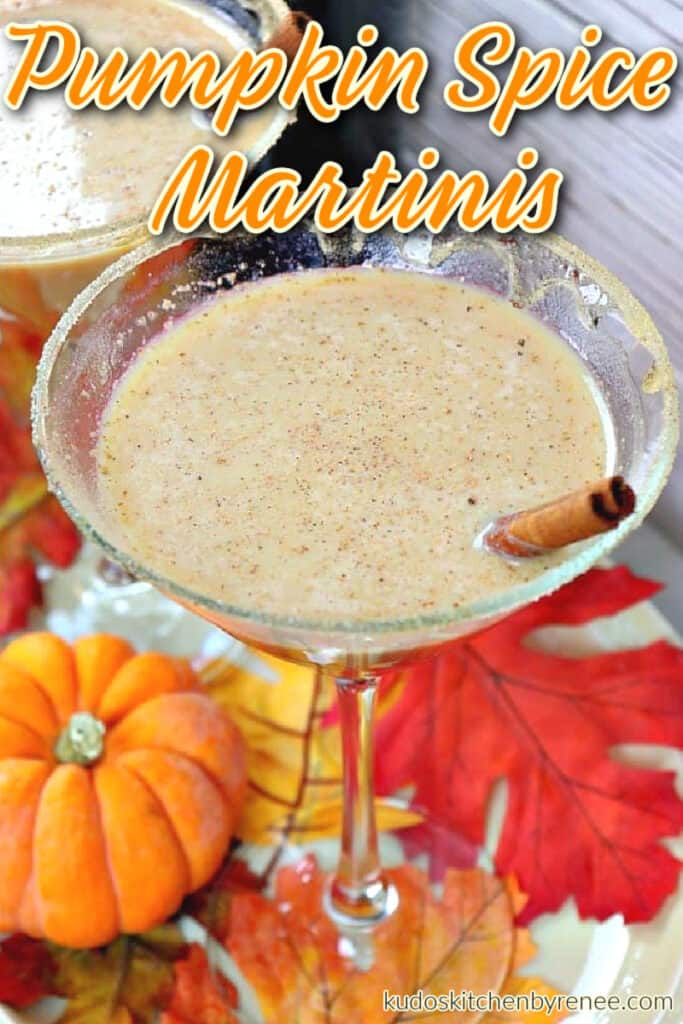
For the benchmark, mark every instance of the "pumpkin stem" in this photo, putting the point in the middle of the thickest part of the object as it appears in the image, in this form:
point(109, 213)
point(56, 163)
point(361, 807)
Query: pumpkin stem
point(82, 742)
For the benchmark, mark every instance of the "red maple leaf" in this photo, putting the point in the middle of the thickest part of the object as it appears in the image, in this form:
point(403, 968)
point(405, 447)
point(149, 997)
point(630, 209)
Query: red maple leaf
point(26, 971)
point(19, 592)
point(578, 822)
point(31, 522)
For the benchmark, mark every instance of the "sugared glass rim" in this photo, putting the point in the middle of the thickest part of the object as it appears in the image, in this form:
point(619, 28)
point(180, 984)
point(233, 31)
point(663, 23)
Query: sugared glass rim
point(31, 250)
point(583, 556)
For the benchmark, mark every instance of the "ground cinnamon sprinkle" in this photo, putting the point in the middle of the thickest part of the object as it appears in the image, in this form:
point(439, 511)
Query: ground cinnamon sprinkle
point(347, 480)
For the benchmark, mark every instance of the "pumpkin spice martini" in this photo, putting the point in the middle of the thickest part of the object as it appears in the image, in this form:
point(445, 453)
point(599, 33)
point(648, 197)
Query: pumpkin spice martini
point(301, 439)
point(76, 187)
point(355, 428)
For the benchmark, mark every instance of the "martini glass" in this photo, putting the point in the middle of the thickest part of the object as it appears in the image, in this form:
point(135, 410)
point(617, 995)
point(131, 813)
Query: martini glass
point(41, 274)
point(148, 290)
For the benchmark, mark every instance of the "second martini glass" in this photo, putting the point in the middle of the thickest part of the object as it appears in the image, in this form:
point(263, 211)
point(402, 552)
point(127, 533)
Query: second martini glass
point(146, 291)
point(47, 257)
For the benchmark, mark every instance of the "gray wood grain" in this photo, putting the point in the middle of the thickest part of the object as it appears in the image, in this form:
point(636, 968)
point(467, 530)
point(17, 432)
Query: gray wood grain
point(623, 192)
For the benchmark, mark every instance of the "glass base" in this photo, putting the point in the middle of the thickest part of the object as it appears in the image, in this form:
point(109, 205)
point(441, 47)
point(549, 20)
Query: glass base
point(356, 921)
point(444, 929)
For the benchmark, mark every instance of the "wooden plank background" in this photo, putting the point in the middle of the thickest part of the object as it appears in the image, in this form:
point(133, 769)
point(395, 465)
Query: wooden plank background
point(623, 191)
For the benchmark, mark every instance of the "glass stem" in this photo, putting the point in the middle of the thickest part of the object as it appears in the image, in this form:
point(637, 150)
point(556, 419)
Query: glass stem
point(359, 895)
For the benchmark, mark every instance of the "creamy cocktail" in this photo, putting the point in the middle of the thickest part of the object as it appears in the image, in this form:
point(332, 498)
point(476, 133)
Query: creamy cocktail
point(76, 187)
point(320, 449)
point(331, 443)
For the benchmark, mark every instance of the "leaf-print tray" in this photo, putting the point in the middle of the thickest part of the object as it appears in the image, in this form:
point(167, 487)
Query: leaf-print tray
point(582, 957)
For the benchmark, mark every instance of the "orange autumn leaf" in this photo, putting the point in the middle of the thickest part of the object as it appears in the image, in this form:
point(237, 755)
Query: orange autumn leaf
point(212, 905)
point(21, 296)
point(19, 353)
point(200, 995)
point(294, 766)
point(520, 987)
point(291, 956)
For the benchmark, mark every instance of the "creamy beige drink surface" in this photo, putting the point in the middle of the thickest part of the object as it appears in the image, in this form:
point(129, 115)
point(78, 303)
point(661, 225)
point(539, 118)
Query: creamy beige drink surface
point(330, 444)
point(63, 171)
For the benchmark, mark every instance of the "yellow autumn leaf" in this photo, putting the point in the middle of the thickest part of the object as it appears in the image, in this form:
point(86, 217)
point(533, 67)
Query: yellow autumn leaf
point(294, 765)
point(27, 491)
point(125, 981)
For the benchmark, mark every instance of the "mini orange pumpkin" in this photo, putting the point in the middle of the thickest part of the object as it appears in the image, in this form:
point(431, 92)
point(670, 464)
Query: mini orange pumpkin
point(120, 784)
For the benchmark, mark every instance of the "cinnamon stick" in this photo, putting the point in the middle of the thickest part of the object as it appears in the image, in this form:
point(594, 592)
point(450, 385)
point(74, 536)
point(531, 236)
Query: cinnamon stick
point(288, 34)
point(578, 516)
